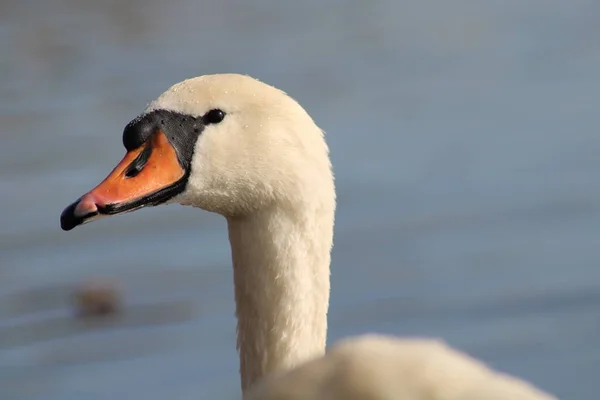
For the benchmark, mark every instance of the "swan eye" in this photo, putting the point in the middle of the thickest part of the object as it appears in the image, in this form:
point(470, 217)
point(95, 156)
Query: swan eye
point(213, 116)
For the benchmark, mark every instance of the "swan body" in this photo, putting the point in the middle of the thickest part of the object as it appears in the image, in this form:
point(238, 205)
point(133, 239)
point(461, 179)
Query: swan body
point(379, 367)
point(232, 145)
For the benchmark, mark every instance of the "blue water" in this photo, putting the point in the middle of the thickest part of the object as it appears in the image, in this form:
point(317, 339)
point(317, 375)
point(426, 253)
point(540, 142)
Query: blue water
point(465, 142)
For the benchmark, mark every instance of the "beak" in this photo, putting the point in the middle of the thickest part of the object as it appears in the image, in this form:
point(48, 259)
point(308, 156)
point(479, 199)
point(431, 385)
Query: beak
point(147, 176)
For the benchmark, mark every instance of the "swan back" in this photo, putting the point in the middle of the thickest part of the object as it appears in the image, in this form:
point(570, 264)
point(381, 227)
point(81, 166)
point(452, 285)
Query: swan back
point(380, 367)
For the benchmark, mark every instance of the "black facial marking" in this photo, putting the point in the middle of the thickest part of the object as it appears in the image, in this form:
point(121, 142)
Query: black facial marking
point(181, 130)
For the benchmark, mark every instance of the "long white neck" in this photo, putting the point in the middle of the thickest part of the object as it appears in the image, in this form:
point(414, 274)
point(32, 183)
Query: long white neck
point(281, 275)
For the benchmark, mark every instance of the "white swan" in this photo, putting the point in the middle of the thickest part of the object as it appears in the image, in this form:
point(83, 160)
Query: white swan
point(238, 147)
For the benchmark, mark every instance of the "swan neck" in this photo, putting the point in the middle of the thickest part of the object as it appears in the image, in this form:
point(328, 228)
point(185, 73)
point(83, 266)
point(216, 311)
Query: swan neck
point(281, 278)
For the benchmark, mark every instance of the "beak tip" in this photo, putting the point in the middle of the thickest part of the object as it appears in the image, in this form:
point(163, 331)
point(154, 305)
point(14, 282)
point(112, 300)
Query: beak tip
point(77, 214)
point(68, 220)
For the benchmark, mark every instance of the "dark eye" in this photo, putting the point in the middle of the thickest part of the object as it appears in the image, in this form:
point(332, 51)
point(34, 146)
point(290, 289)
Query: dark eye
point(213, 116)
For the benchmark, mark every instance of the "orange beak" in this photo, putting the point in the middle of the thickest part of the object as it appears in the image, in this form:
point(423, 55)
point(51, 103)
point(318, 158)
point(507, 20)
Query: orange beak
point(147, 176)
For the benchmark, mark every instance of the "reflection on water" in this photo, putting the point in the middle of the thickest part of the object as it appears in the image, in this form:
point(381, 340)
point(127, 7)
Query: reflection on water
point(464, 139)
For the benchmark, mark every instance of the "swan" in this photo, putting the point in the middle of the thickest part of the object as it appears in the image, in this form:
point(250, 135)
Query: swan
point(235, 146)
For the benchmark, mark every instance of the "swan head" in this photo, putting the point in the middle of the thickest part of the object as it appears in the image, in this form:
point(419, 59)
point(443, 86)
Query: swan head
point(226, 143)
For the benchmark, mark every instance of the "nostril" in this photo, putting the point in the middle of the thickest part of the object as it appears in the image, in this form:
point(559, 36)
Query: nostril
point(138, 164)
point(133, 170)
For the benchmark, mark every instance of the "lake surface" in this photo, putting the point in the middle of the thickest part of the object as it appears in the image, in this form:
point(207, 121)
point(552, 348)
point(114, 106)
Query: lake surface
point(465, 142)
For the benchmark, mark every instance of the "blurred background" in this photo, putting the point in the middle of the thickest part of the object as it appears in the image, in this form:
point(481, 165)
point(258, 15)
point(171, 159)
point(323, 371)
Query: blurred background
point(465, 142)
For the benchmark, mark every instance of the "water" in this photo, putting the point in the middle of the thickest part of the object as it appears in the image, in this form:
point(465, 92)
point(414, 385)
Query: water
point(465, 142)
